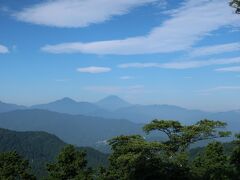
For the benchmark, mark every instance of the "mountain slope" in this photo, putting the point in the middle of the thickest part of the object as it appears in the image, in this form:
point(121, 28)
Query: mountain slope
point(112, 103)
point(67, 105)
point(120, 109)
point(146, 113)
point(41, 148)
point(73, 129)
point(113, 107)
point(5, 107)
point(230, 117)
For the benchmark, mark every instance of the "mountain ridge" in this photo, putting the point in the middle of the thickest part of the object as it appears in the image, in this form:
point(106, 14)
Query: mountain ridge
point(40, 147)
point(81, 130)
point(68, 105)
point(132, 112)
point(6, 107)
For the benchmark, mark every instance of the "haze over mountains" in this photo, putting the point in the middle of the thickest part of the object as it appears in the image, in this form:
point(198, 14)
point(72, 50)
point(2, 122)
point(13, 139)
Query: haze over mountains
point(6, 107)
point(91, 124)
point(67, 105)
point(117, 108)
point(113, 103)
point(74, 129)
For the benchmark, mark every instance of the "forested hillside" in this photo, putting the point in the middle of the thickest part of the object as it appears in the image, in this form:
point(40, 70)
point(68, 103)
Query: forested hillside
point(41, 148)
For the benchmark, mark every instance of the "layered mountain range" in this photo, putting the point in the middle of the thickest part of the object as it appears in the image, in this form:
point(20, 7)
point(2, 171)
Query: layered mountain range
point(92, 124)
point(117, 108)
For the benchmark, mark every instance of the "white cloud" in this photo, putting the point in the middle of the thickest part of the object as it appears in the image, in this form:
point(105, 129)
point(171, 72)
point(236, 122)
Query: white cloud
point(3, 49)
point(215, 49)
point(183, 64)
point(76, 13)
point(126, 77)
point(185, 27)
point(229, 69)
point(94, 69)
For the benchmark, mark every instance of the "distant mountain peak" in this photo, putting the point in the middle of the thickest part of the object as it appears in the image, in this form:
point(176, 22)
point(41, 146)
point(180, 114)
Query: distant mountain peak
point(112, 102)
point(113, 98)
point(68, 105)
point(66, 99)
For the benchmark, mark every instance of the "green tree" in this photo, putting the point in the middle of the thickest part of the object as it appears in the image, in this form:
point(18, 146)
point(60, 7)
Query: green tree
point(13, 166)
point(135, 158)
point(235, 157)
point(70, 164)
point(235, 4)
point(181, 136)
point(212, 164)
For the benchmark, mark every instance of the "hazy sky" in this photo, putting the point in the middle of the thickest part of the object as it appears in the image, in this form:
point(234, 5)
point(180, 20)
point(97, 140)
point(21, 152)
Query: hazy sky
point(184, 53)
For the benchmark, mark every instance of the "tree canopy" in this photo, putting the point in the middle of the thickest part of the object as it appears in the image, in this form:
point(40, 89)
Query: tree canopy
point(235, 157)
point(235, 4)
point(13, 166)
point(70, 164)
point(211, 163)
point(135, 158)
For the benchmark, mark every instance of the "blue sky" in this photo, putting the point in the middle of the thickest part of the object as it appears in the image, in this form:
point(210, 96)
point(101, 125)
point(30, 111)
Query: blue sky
point(183, 52)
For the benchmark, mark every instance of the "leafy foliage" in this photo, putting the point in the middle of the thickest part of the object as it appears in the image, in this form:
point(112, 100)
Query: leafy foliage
point(212, 163)
point(70, 164)
point(130, 155)
point(41, 148)
point(180, 136)
point(135, 158)
point(235, 157)
point(13, 166)
point(235, 4)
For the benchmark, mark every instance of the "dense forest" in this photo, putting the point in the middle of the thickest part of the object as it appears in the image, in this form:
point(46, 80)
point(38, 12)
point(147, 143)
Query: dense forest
point(132, 157)
point(40, 148)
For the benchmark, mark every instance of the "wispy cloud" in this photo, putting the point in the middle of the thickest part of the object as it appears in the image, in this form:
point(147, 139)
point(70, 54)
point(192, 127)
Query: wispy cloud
point(126, 77)
point(116, 89)
point(183, 64)
point(77, 13)
point(229, 69)
point(162, 4)
point(185, 27)
point(215, 49)
point(94, 69)
point(4, 9)
point(3, 49)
